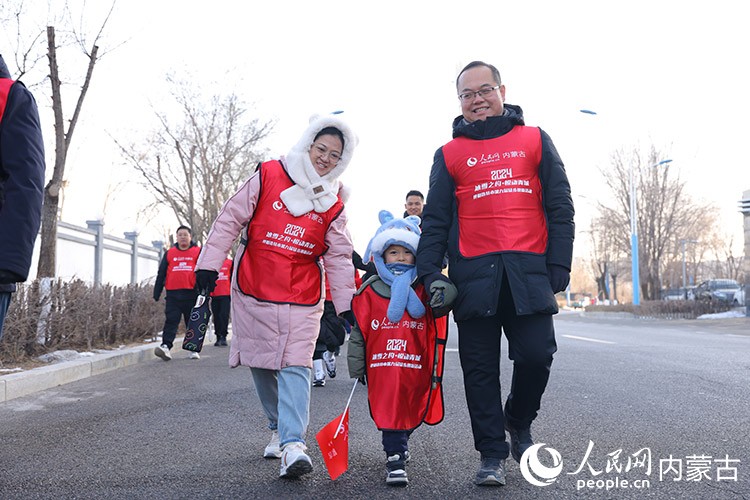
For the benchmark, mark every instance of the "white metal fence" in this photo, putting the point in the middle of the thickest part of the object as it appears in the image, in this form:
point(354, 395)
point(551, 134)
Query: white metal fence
point(87, 253)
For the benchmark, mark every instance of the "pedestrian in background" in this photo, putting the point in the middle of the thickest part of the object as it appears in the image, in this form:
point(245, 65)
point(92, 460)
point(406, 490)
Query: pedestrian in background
point(414, 203)
point(289, 214)
point(393, 342)
point(21, 184)
point(499, 202)
point(177, 275)
point(221, 303)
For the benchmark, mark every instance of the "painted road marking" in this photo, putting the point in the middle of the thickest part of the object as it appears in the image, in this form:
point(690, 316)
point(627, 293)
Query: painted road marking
point(588, 339)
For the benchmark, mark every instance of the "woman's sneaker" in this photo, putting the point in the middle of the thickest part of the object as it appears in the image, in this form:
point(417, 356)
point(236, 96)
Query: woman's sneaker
point(330, 361)
point(395, 468)
point(294, 461)
point(273, 449)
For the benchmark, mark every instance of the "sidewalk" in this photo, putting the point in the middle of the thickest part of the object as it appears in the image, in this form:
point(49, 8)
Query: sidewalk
point(22, 383)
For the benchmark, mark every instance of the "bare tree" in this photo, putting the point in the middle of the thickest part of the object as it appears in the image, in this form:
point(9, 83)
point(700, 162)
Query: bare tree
point(193, 165)
point(27, 54)
point(665, 212)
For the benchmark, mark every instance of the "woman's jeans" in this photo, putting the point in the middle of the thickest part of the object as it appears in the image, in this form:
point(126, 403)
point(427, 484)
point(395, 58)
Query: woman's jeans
point(285, 396)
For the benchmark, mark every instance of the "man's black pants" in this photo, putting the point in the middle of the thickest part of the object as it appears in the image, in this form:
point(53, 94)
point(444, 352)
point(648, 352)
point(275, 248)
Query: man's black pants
point(531, 341)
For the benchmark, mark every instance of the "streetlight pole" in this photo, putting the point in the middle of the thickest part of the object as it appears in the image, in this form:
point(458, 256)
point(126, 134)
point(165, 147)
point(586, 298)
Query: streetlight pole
point(633, 225)
point(634, 235)
point(684, 266)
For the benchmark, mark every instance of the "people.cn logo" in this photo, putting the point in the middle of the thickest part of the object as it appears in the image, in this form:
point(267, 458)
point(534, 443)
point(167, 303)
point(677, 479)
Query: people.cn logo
point(536, 473)
point(471, 161)
point(277, 205)
point(375, 324)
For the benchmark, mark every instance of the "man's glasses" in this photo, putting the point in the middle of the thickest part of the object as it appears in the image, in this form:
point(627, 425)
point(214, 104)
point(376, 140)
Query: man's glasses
point(484, 92)
point(323, 151)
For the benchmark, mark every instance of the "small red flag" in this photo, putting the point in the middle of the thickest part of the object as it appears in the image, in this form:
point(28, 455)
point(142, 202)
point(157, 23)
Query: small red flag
point(335, 445)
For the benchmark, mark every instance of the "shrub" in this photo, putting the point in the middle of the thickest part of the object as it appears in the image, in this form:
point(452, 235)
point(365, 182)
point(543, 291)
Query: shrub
point(78, 316)
point(666, 309)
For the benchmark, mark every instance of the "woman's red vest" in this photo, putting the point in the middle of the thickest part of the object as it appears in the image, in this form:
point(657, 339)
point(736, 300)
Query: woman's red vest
point(404, 363)
point(224, 281)
point(280, 261)
point(181, 268)
point(498, 192)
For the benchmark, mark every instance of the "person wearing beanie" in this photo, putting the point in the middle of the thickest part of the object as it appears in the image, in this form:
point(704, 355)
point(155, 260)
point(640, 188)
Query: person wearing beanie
point(291, 221)
point(397, 342)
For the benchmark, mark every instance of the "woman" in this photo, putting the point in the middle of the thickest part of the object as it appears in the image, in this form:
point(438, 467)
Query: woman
point(290, 217)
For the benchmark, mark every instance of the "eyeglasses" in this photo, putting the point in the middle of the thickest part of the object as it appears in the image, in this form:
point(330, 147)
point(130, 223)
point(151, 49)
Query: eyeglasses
point(323, 151)
point(484, 92)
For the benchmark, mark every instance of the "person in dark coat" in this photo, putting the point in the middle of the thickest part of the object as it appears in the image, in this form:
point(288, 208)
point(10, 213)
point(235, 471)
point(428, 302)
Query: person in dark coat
point(177, 274)
point(21, 184)
point(499, 202)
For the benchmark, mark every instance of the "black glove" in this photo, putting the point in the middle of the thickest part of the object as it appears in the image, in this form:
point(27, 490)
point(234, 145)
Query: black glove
point(363, 380)
point(348, 316)
point(205, 280)
point(559, 277)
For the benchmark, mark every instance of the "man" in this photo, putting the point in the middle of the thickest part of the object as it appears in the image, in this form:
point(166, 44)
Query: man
point(177, 275)
point(221, 302)
point(21, 184)
point(414, 203)
point(499, 202)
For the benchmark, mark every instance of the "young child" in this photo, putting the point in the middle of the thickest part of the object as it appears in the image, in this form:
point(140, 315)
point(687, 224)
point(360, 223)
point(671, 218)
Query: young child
point(397, 343)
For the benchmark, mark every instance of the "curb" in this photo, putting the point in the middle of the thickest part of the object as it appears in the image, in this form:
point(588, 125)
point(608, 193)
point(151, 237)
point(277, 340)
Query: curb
point(16, 385)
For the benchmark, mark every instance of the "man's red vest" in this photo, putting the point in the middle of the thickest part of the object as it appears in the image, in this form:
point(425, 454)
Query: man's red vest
point(181, 268)
point(224, 281)
point(5, 85)
point(404, 363)
point(280, 262)
point(498, 193)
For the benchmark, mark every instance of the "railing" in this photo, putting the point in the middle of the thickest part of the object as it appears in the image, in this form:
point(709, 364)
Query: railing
point(89, 254)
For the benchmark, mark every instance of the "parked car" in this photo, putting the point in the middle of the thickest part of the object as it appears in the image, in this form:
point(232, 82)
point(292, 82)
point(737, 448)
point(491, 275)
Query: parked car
point(674, 294)
point(724, 290)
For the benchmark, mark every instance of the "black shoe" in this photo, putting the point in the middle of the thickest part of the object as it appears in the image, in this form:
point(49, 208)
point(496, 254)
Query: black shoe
point(223, 341)
point(395, 468)
point(218, 342)
point(520, 441)
point(491, 472)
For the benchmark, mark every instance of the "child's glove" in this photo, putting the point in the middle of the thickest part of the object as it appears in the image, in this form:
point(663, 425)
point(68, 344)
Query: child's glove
point(442, 292)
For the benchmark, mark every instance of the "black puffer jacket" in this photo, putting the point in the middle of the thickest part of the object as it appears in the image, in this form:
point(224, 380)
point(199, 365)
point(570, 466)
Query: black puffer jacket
point(478, 279)
point(21, 183)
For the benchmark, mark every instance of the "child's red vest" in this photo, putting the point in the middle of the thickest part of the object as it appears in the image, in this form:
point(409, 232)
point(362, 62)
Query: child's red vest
point(498, 193)
point(404, 363)
point(280, 262)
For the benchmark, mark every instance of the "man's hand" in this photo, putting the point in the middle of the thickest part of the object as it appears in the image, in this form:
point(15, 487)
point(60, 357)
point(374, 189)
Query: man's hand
point(559, 277)
point(442, 292)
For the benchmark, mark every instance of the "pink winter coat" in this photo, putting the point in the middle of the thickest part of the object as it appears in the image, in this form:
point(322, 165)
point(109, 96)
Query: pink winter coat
point(264, 334)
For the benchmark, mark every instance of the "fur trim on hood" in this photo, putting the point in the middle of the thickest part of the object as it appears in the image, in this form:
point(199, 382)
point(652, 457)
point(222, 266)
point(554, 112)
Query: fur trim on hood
point(311, 191)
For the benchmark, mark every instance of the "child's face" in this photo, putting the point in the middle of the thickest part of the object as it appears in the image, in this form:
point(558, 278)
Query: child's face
point(398, 254)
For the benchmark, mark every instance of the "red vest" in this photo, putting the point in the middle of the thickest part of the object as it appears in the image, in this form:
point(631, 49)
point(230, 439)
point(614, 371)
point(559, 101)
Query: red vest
point(498, 193)
point(181, 268)
point(404, 363)
point(280, 262)
point(5, 85)
point(224, 281)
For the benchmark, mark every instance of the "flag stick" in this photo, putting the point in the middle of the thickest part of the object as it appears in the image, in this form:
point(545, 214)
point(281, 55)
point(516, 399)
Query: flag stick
point(346, 409)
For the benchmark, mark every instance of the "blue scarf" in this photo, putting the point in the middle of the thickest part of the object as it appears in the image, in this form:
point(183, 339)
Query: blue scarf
point(403, 297)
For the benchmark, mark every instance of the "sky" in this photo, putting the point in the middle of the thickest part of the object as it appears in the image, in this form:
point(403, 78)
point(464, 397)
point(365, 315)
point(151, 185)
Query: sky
point(668, 73)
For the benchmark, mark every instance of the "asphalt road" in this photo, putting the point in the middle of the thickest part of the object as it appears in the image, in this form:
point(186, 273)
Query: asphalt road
point(194, 429)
